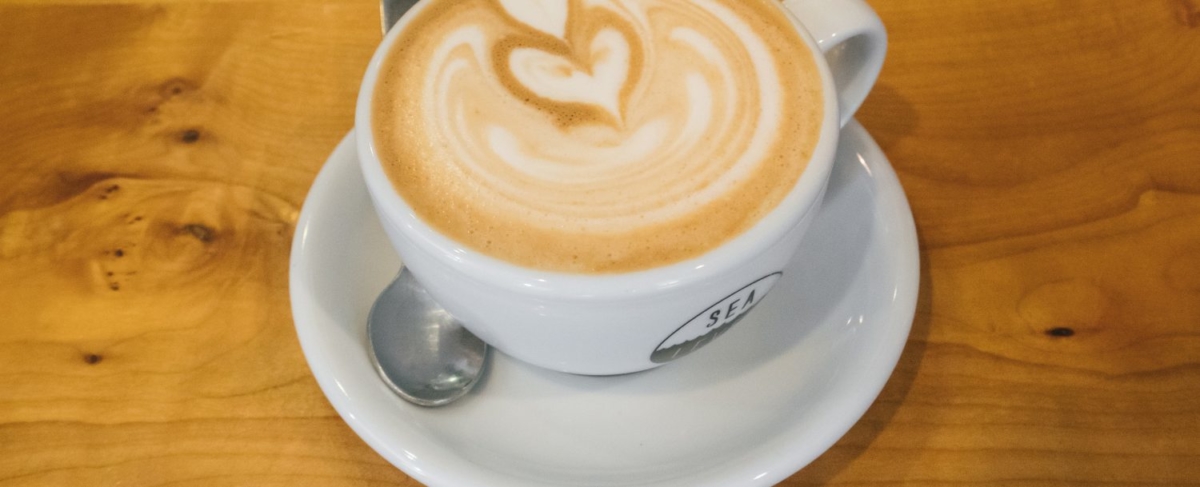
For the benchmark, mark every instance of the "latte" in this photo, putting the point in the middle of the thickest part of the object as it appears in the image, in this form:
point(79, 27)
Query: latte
point(596, 136)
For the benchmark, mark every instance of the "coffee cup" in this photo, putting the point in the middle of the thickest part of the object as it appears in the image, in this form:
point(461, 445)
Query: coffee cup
point(603, 186)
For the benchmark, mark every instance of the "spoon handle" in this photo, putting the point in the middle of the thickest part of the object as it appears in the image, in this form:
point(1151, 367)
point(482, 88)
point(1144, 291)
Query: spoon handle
point(391, 11)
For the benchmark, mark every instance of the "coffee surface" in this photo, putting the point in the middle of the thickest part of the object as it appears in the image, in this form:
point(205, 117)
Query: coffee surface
point(596, 136)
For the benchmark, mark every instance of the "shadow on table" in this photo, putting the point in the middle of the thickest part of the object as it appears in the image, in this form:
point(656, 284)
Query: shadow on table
point(889, 116)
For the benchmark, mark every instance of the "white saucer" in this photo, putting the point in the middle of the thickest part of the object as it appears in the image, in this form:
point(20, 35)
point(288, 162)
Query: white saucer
point(750, 409)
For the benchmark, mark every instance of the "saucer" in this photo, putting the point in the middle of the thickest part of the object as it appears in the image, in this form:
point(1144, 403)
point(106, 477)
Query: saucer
point(750, 409)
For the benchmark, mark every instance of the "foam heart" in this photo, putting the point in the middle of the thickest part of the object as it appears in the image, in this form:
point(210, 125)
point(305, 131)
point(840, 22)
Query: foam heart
point(558, 78)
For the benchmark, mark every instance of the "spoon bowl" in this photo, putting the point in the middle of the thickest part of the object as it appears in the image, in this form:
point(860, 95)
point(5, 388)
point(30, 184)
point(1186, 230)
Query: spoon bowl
point(420, 351)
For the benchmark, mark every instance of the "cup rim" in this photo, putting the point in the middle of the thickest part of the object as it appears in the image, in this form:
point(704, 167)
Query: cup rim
point(728, 256)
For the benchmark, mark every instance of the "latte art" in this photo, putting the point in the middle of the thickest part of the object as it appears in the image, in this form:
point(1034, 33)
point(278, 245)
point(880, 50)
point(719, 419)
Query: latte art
point(596, 135)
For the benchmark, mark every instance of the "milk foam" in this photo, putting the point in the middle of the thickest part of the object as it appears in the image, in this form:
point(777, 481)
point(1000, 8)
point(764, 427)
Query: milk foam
point(596, 135)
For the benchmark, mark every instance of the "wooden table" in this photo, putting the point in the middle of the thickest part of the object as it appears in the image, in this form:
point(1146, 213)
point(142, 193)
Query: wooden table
point(154, 156)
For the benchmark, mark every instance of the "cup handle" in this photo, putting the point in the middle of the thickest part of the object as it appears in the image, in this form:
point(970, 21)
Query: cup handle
point(854, 41)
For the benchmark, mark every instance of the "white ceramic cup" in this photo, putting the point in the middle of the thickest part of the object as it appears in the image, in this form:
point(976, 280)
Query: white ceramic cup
point(618, 323)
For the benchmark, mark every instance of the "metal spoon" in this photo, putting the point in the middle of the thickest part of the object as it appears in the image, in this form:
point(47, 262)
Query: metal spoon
point(422, 353)
point(391, 10)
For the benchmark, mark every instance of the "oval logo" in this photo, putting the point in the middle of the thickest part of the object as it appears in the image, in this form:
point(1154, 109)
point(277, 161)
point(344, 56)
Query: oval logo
point(713, 321)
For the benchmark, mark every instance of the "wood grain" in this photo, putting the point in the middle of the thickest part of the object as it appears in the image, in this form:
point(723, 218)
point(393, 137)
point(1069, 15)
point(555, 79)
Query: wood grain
point(154, 156)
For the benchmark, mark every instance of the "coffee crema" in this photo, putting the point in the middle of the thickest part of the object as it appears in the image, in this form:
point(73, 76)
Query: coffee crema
point(596, 136)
